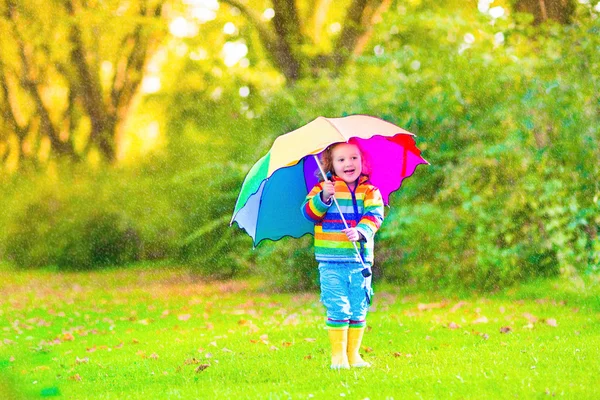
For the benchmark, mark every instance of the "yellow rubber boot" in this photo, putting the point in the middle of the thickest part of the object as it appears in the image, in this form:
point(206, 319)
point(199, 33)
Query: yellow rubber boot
point(339, 345)
point(355, 336)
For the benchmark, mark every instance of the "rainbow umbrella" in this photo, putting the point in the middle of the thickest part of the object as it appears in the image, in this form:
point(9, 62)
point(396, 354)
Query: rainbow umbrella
point(268, 206)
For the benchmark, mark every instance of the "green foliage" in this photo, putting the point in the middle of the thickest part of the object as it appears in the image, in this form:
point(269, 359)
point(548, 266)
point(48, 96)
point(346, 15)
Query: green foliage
point(512, 189)
point(288, 265)
point(85, 219)
point(506, 113)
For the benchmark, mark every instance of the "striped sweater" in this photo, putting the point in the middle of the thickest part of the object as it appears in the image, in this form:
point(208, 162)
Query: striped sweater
point(362, 208)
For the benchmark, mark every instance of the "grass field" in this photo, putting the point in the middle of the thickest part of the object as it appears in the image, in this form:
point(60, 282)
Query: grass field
point(154, 334)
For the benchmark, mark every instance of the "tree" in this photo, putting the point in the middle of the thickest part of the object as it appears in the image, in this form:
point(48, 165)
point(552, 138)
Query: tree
point(544, 10)
point(287, 36)
point(69, 72)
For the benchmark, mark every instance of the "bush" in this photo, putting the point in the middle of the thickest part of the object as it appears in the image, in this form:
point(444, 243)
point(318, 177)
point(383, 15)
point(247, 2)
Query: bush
point(105, 239)
point(51, 232)
point(288, 265)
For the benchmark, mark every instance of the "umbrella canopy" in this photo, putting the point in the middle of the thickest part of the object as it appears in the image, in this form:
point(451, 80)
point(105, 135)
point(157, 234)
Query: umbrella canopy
point(268, 206)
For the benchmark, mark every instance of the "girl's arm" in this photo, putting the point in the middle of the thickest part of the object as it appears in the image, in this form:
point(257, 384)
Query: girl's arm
point(372, 214)
point(314, 208)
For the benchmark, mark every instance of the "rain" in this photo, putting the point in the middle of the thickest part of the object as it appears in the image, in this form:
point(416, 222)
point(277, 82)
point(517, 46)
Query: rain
point(158, 240)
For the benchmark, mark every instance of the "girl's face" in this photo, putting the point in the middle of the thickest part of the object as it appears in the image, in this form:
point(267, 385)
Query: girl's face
point(347, 162)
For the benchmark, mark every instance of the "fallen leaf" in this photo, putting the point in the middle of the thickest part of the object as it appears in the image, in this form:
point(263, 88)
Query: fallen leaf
point(453, 325)
point(367, 349)
point(481, 320)
point(226, 350)
point(202, 367)
point(273, 348)
point(184, 317)
point(551, 322)
point(191, 361)
point(84, 360)
point(75, 377)
point(458, 305)
point(505, 329)
point(153, 356)
point(308, 339)
point(308, 357)
point(530, 317)
point(291, 320)
point(67, 337)
point(286, 344)
point(430, 306)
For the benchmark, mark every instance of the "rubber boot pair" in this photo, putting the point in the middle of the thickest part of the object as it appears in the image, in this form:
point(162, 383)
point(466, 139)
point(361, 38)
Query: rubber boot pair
point(345, 344)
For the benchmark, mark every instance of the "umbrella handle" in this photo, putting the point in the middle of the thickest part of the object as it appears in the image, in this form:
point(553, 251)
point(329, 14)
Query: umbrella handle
point(366, 272)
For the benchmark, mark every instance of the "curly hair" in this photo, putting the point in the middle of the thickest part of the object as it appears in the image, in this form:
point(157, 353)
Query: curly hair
point(327, 159)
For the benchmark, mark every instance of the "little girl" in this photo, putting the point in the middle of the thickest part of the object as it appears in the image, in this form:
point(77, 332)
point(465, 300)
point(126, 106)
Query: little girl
point(345, 292)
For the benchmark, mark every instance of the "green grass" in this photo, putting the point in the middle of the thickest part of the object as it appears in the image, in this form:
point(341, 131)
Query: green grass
point(143, 333)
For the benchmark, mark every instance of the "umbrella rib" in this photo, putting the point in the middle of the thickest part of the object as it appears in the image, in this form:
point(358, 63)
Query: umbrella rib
point(336, 129)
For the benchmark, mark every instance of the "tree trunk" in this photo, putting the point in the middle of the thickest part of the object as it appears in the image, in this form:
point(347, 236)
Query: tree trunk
point(287, 27)
point(543, 10)
point(92, 110)
point(283, 39)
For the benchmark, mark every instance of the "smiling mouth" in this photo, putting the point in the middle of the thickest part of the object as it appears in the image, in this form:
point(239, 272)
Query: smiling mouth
point(349, 171)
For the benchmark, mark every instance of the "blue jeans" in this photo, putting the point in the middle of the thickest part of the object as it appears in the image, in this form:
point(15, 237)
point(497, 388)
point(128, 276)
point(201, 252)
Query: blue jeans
point(345, 293)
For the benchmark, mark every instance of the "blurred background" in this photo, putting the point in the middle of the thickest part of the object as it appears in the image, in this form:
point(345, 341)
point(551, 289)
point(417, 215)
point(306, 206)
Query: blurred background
point(127, 128)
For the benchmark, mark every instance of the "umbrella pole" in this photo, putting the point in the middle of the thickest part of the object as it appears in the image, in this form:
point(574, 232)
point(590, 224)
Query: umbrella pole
point(366, 272)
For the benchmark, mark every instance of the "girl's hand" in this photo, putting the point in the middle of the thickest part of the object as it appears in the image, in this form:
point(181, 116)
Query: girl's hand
point(328, 191)
point(353, 234)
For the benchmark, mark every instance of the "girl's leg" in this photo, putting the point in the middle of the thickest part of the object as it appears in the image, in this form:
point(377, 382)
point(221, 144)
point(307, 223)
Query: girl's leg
point(334, 296)
point(359, 295)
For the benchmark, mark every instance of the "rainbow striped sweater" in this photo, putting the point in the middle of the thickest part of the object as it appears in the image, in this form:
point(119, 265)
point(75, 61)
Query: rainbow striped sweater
point(362, 208)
